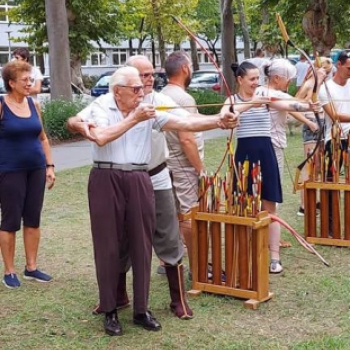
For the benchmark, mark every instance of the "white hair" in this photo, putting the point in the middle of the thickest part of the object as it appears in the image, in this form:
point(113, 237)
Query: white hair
point(121, 76)
point(281, 67)
point(131, 60)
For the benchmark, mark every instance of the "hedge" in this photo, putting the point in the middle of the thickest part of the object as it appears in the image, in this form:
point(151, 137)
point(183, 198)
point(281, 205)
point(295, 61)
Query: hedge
point(208, 97)
point(55, 115)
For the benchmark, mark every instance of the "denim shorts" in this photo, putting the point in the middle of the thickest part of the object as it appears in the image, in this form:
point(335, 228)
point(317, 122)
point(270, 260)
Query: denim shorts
point(309, 135)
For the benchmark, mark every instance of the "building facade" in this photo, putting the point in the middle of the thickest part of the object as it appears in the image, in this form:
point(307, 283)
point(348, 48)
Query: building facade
point(99, 61)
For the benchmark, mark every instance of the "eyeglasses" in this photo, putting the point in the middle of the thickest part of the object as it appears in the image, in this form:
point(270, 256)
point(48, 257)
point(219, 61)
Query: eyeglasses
point(146, 75)
point(136, 89)
point(26, 80)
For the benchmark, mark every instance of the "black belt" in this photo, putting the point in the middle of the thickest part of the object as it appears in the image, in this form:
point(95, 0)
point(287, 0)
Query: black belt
point(157, 169)
point(123, 167)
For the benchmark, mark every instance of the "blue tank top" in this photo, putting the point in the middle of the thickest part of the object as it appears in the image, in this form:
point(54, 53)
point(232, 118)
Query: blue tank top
point(20, 146)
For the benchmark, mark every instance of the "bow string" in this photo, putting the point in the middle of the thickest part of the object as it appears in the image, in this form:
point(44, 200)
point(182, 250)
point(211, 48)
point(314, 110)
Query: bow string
point(227, 90)
point(314, 99)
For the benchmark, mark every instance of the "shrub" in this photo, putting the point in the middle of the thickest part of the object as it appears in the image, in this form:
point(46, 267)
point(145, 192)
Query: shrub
point(90, 80)
point(208, 97)
point(55, 114)
point(292, 89)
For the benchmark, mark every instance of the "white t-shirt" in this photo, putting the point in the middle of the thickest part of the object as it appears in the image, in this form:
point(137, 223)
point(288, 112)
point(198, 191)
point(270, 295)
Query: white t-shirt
point(302, 67)
point(177, 157)
point(36, 75)
point(278, 118)
point(340, 96)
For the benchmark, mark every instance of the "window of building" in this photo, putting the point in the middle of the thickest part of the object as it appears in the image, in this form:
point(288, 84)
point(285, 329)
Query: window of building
point(119, 57)
point(4, 58)
point(3, 11)
point(98, 59)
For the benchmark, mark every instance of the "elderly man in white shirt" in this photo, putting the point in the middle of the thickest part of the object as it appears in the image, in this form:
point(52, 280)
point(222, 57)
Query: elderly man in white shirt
point(121, 197)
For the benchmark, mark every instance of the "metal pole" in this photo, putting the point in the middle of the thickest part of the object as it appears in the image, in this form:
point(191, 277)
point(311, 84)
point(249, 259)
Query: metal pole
point(9, 40)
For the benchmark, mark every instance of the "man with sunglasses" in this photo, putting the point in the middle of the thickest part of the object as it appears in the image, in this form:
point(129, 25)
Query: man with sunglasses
point(121, 197)
point(23, 54)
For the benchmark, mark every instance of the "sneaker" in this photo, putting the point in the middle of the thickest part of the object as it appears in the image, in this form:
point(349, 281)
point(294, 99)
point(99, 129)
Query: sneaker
point(37, 275)
point(275, 266)
point(161, 270)
point(301, 212)
point(11, 281)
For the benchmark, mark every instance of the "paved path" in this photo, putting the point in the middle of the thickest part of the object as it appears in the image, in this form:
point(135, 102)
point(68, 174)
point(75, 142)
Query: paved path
point(77, 154)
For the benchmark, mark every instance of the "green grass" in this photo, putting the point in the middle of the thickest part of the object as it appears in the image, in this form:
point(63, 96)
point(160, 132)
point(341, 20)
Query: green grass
point(310, 310)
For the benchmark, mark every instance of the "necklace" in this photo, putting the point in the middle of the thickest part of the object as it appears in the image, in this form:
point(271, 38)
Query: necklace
point(19, 105)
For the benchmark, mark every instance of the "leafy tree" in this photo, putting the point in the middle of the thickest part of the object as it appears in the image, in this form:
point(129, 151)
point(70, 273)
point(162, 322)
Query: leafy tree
point(311, 24)
point(209, 24)
point(88, 20)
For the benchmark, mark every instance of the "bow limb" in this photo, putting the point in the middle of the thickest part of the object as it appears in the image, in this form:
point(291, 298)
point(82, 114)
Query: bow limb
point(299, 238)
point(227, 90)
point(314, 99)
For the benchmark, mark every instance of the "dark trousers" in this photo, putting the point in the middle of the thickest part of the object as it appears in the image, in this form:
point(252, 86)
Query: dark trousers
point(121, 209)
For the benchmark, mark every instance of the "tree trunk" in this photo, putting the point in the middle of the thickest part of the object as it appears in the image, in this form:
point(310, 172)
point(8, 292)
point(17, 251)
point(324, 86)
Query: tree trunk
point(317, 25)
point(161, 45)
point(131, 49)
point(76, 74)
point(227, 41)
point(194, 54)
point(57, 32)
point(245, 32)
point(158, 27)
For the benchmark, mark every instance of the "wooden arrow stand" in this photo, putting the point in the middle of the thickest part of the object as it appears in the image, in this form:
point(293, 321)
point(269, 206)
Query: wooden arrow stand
point(320, 229)
point(238, 252)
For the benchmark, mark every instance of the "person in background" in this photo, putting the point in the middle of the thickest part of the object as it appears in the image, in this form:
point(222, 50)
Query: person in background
point(310, 136)
point(25, 167)
point(254, 143)
point(186, 149)
point(334, 96)
point(259, 61)
point(23, 54)
point(280, 72)
point(302, 67)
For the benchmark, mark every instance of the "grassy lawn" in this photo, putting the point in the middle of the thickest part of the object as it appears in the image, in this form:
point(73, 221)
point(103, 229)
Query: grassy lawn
point(310, 309)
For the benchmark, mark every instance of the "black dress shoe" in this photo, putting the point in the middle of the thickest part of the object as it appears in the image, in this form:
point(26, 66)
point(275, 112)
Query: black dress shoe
point(112, 325)
point(147, 321)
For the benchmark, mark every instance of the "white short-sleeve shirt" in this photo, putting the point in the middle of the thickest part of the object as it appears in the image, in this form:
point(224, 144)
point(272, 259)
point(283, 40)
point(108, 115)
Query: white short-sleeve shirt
point(134, 146)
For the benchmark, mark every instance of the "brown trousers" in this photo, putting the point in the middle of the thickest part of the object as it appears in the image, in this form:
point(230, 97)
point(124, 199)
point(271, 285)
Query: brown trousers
point(121, 208)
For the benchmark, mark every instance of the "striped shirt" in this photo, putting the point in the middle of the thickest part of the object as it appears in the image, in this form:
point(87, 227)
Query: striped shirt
point(255, 122)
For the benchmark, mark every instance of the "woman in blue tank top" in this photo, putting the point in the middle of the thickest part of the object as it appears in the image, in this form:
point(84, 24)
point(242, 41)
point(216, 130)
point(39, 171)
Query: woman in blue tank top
point(254, 143)
point(25, 167)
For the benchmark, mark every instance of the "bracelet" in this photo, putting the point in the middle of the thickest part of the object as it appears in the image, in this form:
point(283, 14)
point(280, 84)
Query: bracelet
point(50, 165)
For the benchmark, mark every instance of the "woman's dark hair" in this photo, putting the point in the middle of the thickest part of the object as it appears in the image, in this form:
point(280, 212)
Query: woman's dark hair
point(242, 69)
point(22, 52)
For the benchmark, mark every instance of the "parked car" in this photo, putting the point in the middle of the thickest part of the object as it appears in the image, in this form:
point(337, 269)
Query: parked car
point(102, 85)
point(205, 80)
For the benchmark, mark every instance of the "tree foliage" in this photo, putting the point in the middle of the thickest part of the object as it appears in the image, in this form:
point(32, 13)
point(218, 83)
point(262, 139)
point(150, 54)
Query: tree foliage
point(89, 20)
point(293, 12)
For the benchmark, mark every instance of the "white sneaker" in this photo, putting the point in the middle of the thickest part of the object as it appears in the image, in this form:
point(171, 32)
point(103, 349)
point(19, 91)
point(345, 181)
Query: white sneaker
point(275, 266)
